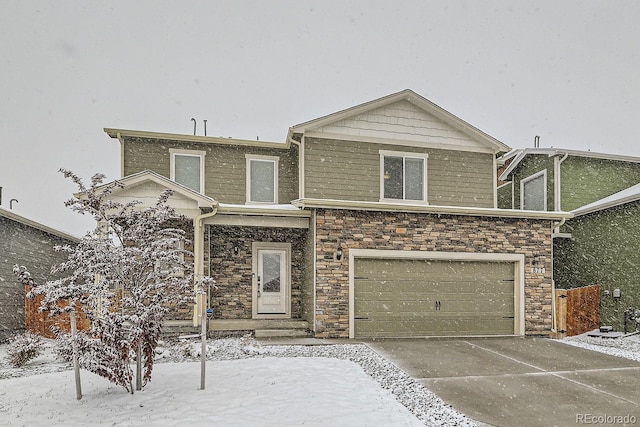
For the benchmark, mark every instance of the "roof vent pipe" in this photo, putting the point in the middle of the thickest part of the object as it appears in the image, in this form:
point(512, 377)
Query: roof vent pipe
point(205, 127)
point(194, 125)
point(536, 142)
point(0, 196)
point(11, 203)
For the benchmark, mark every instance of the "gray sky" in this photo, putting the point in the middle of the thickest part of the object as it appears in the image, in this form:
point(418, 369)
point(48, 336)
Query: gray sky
point(565, 70)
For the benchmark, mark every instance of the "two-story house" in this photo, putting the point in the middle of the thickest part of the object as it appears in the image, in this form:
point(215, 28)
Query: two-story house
point(380, 220)
point(600, 244)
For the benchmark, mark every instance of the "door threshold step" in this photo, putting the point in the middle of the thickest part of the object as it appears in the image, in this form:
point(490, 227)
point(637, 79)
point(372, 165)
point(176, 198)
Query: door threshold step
point(281, 333)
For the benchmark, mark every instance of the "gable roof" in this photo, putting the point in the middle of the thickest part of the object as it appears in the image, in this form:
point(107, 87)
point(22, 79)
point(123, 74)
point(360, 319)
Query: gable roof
point(519, 154)
point(629, 195)
point(33, 224)
point(421, 107)
point(147, 185)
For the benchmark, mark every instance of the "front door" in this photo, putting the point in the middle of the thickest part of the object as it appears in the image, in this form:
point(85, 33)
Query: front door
point(271, 281)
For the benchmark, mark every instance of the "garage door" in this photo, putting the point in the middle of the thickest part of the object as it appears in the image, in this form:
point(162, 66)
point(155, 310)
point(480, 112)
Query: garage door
point(401, 298)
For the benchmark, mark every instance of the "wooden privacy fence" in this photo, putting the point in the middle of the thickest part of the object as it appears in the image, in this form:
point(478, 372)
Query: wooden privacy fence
point(39, 322)
point(577, 310)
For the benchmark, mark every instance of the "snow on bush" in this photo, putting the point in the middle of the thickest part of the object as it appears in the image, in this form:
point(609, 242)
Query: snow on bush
point(23, 348)
point(126, 275)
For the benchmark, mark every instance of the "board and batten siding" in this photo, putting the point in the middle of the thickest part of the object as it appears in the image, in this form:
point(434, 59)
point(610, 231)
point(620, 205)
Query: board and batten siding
point(225, 166)
point(350, 170)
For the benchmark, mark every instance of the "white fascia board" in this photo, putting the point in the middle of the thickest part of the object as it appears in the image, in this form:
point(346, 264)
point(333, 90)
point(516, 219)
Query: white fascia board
point(429, 209)
point(629, 195)
point(398, 142)
point(120, 133)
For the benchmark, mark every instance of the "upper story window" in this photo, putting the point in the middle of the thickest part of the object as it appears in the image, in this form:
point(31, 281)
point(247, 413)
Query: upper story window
point(533, 192)
point(262, 179)
point(403, 176)
point(187, 168)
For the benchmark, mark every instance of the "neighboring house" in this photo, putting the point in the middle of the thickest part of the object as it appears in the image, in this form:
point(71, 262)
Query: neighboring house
point(378, 220)
point(600, 244)
point(604, 249)
point(28, 243)
point(553, 179)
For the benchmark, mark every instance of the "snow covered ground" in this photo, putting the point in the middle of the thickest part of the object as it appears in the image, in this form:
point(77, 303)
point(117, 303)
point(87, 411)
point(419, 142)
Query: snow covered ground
point(628, 347)
point(247, 384)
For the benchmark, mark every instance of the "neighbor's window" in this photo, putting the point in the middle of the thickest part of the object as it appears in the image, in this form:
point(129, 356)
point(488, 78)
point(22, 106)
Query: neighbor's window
point(262, 179)
point(403, 176)
point(533, 192)
point(187, 168)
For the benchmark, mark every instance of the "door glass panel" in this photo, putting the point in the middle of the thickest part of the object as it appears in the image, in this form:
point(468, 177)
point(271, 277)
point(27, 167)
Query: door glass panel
point(271, 272)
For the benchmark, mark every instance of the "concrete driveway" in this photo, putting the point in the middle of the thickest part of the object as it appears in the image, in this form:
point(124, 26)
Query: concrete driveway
point(518, 381)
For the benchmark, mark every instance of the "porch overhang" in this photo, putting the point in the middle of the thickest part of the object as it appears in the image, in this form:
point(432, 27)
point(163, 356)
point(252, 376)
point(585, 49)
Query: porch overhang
point(278, 216)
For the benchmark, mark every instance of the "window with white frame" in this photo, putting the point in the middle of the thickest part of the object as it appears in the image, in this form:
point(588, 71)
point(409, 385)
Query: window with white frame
point(262, 179)
point(187, 168)
point(533, 192)
point(403, 176)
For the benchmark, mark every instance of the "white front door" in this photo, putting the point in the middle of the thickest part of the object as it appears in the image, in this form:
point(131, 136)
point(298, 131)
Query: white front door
point(271, 281)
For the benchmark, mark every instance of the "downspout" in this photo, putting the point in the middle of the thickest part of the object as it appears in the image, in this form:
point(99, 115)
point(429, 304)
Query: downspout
point(557, 178)
point(198, 261)
point(554, 323)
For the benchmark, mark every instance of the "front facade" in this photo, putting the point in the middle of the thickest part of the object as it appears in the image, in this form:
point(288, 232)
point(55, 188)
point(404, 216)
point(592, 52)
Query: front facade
point(24, 242)
point(377, 221)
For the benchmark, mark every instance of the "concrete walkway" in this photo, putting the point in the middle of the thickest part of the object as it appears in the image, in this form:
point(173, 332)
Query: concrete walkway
point(519, 381)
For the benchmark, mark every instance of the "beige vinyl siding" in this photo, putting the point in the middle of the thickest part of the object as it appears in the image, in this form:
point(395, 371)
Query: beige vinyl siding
point(225, 166)
point(350, 170)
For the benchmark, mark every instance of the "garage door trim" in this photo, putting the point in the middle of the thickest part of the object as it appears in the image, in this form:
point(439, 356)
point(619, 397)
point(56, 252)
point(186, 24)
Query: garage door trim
point(516, 259)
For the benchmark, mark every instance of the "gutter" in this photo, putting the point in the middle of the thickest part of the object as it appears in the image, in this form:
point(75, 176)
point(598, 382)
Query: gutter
point(431, 209)
point(198, 261)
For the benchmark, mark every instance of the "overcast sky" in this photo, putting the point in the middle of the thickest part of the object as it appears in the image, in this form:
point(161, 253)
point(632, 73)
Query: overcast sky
point(567, 71)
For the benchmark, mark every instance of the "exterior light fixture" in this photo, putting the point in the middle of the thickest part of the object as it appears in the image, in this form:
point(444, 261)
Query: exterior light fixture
point(236, 250)
point(339, 253)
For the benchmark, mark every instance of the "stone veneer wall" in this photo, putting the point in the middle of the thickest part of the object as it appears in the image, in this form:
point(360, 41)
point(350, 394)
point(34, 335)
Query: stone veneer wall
point(233, 273)
point(425, 232)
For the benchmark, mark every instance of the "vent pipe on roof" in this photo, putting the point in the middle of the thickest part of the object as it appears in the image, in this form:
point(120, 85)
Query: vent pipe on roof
point(536, 142)
point(205, 127)
point(0, 196)
point(194, 125)
point(11, 203)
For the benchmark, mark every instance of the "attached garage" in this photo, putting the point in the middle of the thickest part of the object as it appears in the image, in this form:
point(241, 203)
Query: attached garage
point(434, 294)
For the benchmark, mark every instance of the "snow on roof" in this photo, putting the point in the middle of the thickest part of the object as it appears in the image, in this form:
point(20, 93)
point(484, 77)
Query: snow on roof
point(629, 195)
point(33, 224)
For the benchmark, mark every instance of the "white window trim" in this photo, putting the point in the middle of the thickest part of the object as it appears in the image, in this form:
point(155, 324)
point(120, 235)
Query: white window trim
point(193, 153)
point(404, 154)
point(276, 161)
point(542, 173)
